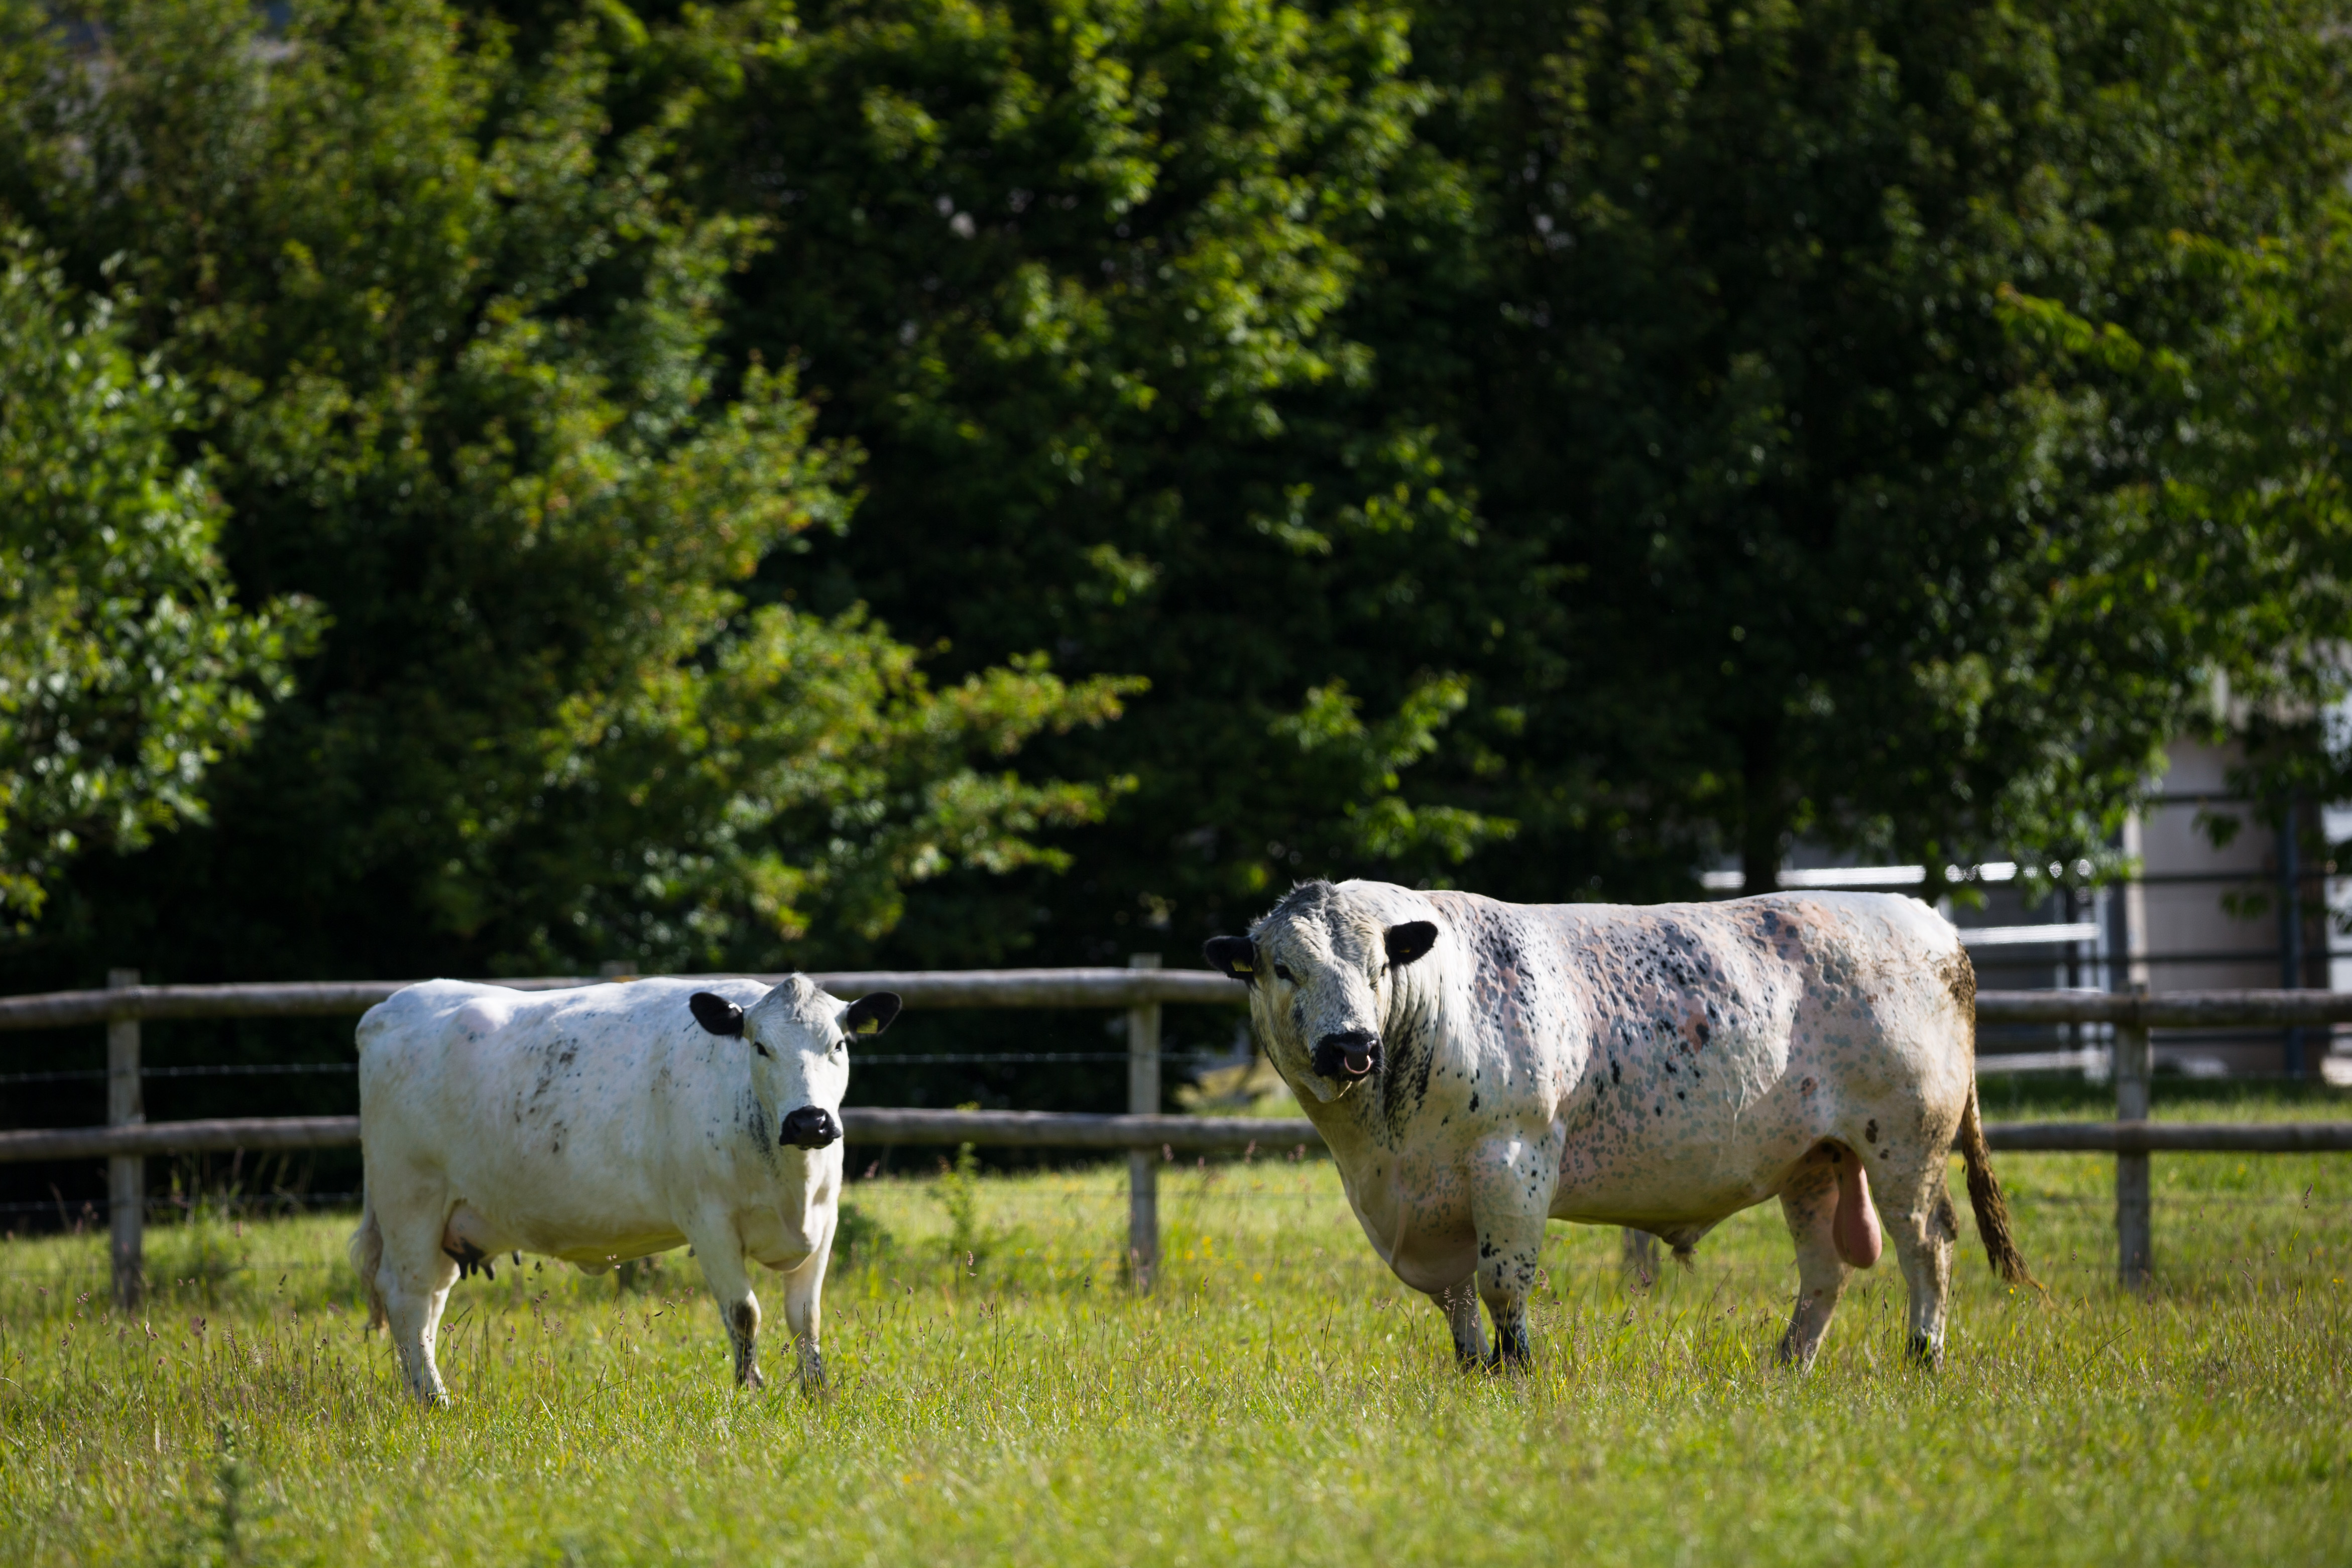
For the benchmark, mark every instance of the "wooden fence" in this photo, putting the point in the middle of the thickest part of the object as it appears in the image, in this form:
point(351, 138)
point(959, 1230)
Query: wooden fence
point(1142, 989)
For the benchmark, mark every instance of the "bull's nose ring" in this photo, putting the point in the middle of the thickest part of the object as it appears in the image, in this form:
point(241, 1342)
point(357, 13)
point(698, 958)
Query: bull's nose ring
point(1352, 1056)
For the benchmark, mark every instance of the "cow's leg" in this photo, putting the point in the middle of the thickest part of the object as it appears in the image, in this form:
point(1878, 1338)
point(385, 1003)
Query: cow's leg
point(804, 1314)
point(1511, 1193)
point(720, 1251)
point(1809, 1202)
point(1459, 1302)
point(1917, 1210)
point(413, 1276)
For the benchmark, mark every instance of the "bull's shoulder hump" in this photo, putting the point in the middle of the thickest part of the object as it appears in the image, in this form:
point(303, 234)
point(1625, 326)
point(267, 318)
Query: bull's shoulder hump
point(1889, 922)
point(422, 1004)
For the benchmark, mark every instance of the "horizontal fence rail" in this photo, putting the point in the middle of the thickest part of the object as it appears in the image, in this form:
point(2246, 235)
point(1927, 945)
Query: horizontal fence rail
point(1102, 987)
point(1099, 988)
point(1193, 1134)
point(219, 1135)
point(2172, 1137)
point(1142, 989)
point(2166, 1010)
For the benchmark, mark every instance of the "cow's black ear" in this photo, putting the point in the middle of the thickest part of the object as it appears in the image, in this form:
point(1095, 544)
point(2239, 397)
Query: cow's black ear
point(872, 1013)
point(1235, 957)
point(1409, 941)
point(716, 1013)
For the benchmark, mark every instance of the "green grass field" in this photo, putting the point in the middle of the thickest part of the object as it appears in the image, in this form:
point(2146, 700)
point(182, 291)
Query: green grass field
point(1280, 1400)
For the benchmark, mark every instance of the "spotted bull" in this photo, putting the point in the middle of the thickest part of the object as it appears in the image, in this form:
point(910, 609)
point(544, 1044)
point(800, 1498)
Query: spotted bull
point(1478, 1068)
point(600, 1124)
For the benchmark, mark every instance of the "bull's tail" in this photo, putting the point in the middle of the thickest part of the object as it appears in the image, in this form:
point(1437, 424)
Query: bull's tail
point(1984, 1197)
point(366, 1253)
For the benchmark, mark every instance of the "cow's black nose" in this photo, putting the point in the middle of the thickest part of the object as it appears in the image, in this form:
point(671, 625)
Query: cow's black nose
point(1353, 1054)
point(811, 1127)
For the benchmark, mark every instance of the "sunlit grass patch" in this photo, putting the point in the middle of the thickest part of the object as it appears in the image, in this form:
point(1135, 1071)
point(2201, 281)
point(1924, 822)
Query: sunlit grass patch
point(1000, 1396)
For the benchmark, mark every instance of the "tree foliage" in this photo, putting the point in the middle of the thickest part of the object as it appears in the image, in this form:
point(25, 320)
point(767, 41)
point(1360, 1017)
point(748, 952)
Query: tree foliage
point(1071, 273)
point(1549, 446)
point(1545, 446)
point(127, 668)
point(1851, 361)
point(452, 340)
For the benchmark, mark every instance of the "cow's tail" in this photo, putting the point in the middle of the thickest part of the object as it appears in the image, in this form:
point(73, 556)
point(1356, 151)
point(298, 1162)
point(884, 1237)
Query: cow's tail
point(366, 1253)
point(1984, 1197)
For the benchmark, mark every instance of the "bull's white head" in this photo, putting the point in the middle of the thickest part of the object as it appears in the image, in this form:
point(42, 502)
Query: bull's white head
point(799, 1037)
point(1322, 968)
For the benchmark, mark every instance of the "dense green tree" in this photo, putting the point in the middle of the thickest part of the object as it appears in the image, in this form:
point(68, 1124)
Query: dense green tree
point(1539, 444)
point(1850, 363)
point(1534, 445)
point(1070, 273)
point(450, 336)
point(126, 666)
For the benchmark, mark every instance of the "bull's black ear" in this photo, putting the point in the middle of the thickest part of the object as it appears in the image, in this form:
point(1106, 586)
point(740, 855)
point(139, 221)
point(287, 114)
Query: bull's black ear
point(1409, 941)
point(872, 1013)
point(716, 1013)
point(1235, 957)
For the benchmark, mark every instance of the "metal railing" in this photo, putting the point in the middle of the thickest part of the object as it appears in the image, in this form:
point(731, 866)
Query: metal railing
point(1142, 989)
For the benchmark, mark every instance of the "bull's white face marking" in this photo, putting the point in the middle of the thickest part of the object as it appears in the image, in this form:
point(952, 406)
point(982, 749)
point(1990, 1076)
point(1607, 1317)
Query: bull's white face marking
point(798, 1038)
point(1321, 975)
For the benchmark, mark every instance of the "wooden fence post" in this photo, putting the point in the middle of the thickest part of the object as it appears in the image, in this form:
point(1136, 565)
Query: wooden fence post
point(2135, 1064)
point(1143, 1165)
point(126, 1174)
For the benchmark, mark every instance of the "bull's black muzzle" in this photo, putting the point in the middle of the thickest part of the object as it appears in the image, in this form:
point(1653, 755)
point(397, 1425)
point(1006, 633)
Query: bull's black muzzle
point(1349, 1056)
point(811, 1127)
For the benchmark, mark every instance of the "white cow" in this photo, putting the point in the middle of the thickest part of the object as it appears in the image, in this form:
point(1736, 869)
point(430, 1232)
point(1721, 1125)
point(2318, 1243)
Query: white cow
point(599, 1125)
point(1479, 1067)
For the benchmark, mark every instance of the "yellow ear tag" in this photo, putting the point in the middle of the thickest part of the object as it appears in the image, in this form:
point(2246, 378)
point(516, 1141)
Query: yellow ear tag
point(1241, 968)
point(870, 1026)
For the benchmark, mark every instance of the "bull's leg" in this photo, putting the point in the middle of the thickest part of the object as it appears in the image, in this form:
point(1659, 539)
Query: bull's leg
point(1459, 1302)
point(1510, 1194)
point(720, 1251)
point(1809, 1204)
point(804, 1313)
point(1917, 1211)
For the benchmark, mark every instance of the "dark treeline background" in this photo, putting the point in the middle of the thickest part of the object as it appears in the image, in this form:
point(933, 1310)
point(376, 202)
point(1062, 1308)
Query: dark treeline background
point(496, 488)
